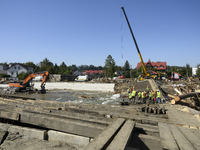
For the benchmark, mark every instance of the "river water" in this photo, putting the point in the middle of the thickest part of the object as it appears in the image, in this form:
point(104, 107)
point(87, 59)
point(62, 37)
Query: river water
point(105, 98)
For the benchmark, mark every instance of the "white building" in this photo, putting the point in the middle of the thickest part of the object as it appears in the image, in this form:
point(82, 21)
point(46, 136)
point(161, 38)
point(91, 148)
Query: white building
point(16, 69)
point(77, 73)
point(3, 69)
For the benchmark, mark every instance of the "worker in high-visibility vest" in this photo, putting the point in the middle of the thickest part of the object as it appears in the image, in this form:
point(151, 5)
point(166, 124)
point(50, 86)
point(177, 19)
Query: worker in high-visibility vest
point(150, 96)
point(130, 97)
point(139, 95)
point(158, 96)
point(147, 90)
point(143, 97)
point(133, 95)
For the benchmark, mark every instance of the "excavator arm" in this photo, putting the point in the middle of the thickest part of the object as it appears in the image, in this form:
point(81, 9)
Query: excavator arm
point(22, 86)
point(31, 76)
point(46, 74)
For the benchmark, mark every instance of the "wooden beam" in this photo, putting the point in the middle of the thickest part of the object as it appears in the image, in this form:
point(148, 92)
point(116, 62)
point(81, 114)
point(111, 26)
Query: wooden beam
point(177, 98)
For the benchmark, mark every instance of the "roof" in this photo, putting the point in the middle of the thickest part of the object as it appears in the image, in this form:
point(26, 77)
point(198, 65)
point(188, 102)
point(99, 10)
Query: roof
point(91, 72)
point(24, 66)
point(159, 65)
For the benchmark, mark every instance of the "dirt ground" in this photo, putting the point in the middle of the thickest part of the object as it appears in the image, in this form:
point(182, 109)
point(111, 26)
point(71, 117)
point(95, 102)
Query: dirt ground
point(20, 142)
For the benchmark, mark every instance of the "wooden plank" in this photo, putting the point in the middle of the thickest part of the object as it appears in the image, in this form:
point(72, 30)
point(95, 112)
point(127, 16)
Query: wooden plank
point(166, 137)
point(102, 140)
point(192, 135)
point(181, 140)
point(177, 98)
point(122, 138)
point(10, 115)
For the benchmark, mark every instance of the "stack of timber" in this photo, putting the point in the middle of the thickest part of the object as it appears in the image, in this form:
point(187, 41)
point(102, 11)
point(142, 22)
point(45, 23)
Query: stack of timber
point(187, 95)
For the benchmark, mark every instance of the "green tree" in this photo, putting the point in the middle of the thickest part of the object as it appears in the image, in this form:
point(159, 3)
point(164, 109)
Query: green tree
point(126, 74)
point(46, 65)
point(134, 73)
point(118, 68)
point(31, 64)
point(56, 69)
point(139, 71)
point(182, 71)
point(126, 65)
point(188, 70)
point(68, 72)
point(73, 67)
point(36, 69)
point(92, 67)
point(62, 68)
point(109, 67)
point(23, 75)
point(99, 68)
point(198, 72)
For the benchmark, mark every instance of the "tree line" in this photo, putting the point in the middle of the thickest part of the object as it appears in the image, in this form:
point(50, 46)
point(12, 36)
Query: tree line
point(109, 68)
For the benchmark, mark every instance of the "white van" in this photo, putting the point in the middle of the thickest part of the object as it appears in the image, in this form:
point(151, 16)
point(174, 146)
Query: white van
point(82, 78)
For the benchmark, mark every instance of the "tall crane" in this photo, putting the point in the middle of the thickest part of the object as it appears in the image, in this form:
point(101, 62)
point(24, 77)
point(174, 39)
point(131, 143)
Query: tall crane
point(145, 74)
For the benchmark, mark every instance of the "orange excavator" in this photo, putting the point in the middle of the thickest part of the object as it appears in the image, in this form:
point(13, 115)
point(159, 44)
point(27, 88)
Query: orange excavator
point(25, 85)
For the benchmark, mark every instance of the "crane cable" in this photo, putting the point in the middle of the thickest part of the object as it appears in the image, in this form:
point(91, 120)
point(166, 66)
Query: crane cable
point(121, 39)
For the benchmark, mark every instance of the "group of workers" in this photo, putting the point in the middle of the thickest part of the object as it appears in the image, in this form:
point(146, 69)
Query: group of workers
point(143, 96)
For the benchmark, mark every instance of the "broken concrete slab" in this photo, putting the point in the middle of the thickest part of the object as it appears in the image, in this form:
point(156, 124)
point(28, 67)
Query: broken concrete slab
point(67, 138)
point(33, 133)
point(10, 115)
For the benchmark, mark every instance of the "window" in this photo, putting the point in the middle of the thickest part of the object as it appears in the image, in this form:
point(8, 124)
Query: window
point(155, 67)
point(11, 73)
point(15, 67)
point(18, 67)
point(161, 66)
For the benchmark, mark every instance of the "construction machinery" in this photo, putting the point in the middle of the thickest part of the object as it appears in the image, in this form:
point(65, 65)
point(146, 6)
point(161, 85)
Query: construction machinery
point(145, 74)
point(26, 84)
point(161, 74)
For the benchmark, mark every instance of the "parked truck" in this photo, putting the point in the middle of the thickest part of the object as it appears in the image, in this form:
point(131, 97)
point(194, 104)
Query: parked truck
point(82, 78)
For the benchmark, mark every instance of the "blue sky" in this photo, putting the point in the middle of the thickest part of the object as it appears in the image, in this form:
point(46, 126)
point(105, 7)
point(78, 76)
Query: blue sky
point(85, 32)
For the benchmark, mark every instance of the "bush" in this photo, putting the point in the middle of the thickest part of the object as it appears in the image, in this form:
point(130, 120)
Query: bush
point(22, 75)
point(4, 75)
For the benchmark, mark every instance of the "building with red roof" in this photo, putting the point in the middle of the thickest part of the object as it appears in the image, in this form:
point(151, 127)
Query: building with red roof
point(160, 66)
point(92, 72)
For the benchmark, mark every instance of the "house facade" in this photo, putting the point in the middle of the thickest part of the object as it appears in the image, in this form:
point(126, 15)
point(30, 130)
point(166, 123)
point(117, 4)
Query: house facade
point(3, 69)
point(160, 66)
point(77, 73)
point(18, 68)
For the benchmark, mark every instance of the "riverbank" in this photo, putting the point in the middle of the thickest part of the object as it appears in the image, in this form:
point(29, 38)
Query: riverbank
point(103, 87)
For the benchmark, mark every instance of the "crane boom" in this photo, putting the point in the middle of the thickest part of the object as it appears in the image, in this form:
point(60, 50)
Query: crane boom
point(145, 71)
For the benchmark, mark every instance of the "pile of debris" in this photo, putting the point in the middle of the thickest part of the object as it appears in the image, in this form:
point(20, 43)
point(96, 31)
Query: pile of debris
point(187, 94)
